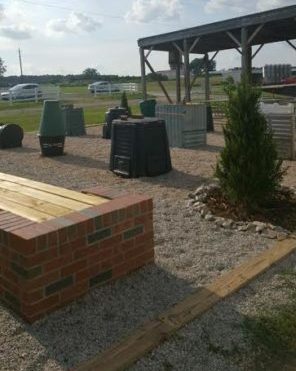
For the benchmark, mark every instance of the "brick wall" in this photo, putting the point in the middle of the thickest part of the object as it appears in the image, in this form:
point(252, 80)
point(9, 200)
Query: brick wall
point(47, 265)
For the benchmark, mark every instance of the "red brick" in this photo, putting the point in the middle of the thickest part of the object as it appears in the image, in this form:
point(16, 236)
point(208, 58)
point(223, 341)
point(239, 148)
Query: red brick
point(39, 258)
point(90, 226)
point(78, 243)
point(53, 239)
point(107, 220)
point(119, 270)
point(148, 236)
point(63, 237)
point(75, 291)
point(21, 245)
point(110, 242)
point(106, 264)
point(123, 226)
point(9, 286)
point(58, 263)
point(73, 268)
point(65, 249)
point(82, 275)
point(33, 296)
point(117, 259)
point(42, 242)
point(99, 255)
point(127, 245)
point(44, 280)
point(80, 253)
point(41, 306)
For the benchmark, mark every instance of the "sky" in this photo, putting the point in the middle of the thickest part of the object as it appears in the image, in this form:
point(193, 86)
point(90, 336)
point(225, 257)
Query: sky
point(68, 36)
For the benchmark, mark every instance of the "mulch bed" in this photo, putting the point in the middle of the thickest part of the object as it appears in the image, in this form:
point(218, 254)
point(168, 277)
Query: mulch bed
point(280, 211)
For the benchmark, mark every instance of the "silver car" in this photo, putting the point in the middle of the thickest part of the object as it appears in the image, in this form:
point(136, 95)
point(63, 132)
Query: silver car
point(22, 91)
point(102, 87)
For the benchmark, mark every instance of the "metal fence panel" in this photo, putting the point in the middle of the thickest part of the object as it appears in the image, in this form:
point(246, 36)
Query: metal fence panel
point(281, 120)
point(186, 124)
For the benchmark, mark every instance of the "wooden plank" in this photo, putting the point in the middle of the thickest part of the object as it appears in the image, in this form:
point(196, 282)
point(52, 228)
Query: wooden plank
point(151, 334)
point(78, 196)
point(44, 196)
point(24, 211)
point(33, 203)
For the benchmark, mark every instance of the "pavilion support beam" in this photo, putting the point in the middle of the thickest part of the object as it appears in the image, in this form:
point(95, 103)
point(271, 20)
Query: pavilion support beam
point(158, 80)
point(292, 45)
point(257, 51)
point(246, 55)
point(207, 77)
point(143, 73)
point(178, 81)
point(186, 71)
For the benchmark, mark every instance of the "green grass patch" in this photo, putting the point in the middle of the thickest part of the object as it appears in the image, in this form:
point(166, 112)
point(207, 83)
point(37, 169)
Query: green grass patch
point(273, 333)
point(29, 119)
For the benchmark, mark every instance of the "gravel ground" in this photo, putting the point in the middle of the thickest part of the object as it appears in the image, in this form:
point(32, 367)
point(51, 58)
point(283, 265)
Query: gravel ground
point(189, 252)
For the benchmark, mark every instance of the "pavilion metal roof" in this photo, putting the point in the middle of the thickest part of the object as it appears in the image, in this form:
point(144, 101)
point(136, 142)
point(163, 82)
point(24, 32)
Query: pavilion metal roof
point(278, 25)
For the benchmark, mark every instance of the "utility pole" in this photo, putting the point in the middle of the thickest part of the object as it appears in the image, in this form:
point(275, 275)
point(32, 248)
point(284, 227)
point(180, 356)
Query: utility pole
point(21, 64)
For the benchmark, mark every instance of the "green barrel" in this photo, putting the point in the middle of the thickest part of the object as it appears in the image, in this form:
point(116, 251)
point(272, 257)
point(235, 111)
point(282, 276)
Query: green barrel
point(147, 107)
point(52, 129)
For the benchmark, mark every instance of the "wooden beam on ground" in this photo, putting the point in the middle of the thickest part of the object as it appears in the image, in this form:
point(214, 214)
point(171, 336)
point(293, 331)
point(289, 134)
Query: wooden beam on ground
point(152, 333)
point(159, 82)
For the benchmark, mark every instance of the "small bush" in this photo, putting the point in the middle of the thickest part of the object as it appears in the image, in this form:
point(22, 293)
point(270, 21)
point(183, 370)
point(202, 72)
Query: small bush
point(248, 170)
point(124, 103)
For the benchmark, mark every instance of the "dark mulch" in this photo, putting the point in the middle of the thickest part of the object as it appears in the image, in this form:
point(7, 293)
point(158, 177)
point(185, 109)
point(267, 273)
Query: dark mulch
point(279, 211)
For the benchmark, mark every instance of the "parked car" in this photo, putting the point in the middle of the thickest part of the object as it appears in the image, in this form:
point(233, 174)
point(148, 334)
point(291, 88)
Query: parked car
point(102, 86)
point(22, 91)
point(289, 80)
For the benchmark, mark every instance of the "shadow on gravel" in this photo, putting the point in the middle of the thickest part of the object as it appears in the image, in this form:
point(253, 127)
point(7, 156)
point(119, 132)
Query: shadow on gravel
point(176, 179)
point(92, 324)
point(22, 150)
point(211, 148)
point(82, 161)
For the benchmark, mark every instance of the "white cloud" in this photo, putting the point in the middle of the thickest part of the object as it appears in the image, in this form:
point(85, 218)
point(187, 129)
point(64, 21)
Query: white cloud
point(242, 6)
point(75, 22)
point(16, 31)
point(2, 13)
point(14, 23)
point(237, 6)
point(151, 10)
point(271, 4)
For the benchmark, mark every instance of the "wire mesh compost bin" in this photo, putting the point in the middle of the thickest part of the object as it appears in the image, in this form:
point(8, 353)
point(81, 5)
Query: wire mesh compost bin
point(186, 125)
point(282, 121)
point(139, 147)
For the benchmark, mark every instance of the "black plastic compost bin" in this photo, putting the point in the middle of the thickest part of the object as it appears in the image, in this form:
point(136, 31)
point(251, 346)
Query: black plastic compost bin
point(52, 129)
point(139, 147)
point(11, 136)
point(112, 114)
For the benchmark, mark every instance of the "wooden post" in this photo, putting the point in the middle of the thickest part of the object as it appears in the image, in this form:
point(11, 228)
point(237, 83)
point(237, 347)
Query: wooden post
point(207, 78)
point(186, 71)
point(143, 73)
point(246, 55)
point(178, 80)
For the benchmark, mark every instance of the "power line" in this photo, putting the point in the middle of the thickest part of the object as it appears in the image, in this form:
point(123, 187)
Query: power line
point(85, 12)
point(70, 9)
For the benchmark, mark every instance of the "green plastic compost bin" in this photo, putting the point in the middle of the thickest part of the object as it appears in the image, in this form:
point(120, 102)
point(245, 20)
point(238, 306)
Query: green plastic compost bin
point(52, 129)
point(147, 107)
